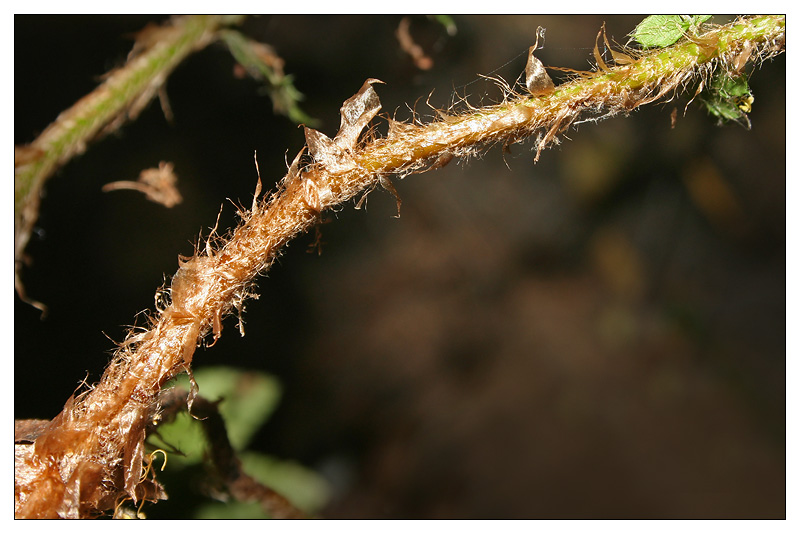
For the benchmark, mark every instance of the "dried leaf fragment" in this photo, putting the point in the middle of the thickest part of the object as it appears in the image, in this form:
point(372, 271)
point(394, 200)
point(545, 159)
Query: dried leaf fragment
point(327, 152)
point(536, 78)
point(27, 430)
point(158, 185)
point(356, 113)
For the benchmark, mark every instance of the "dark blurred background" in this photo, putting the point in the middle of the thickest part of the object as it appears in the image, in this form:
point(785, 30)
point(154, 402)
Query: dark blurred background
point(601, 334)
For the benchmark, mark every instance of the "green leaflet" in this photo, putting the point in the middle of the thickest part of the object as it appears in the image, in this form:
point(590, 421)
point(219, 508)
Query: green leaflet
point(260, 61)
point(729, 98)
point(658, 31)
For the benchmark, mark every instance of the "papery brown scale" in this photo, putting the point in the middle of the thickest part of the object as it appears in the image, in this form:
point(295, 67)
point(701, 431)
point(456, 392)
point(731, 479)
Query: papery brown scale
point(442, 160)
point(292, 170)
point(319, 144)
point(356, 113)
point(311, 195)
point(536, 78)
point(132, 434)
point(327, 152)
point(601, 64)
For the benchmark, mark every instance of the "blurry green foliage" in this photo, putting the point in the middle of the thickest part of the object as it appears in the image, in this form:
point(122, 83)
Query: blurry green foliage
point(728, 98)
point(448, 23)
point(261, 62)
point(247, 399)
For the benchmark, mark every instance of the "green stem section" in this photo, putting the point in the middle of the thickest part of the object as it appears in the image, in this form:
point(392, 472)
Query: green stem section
point(124, 93)
point(605, 93)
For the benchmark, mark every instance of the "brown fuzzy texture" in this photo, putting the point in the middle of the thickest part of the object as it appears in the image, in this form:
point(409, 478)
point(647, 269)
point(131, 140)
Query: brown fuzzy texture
point(91, 455)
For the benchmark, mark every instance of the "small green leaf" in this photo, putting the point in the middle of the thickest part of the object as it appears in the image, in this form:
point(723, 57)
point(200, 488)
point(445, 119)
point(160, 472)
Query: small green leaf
point(658, 31)
point(731, 87)
point(697, 20)
point(724, 110)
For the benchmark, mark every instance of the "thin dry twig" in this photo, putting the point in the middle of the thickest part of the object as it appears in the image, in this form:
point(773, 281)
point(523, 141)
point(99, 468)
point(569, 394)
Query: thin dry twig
point(410, 47)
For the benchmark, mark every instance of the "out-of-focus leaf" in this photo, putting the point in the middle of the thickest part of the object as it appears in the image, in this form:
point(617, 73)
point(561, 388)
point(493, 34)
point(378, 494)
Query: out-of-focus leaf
point(728, 98)
point(231, 510)
point(185, 435)
point(262, 63)
point(248, 398)
point(306, 489)
point(448, 23)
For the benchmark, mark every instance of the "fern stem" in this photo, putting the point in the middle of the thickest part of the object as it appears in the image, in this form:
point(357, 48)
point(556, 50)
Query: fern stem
point(91, 454)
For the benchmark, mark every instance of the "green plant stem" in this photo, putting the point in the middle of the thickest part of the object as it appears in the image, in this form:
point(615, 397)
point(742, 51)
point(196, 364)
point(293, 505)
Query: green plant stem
point(620, 89)
point(122, 95)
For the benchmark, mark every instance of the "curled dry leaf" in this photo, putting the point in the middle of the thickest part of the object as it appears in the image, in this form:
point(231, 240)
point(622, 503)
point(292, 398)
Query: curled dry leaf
point(158, 185)
point(327, 152)
point(536, 78)
point(356, 112)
